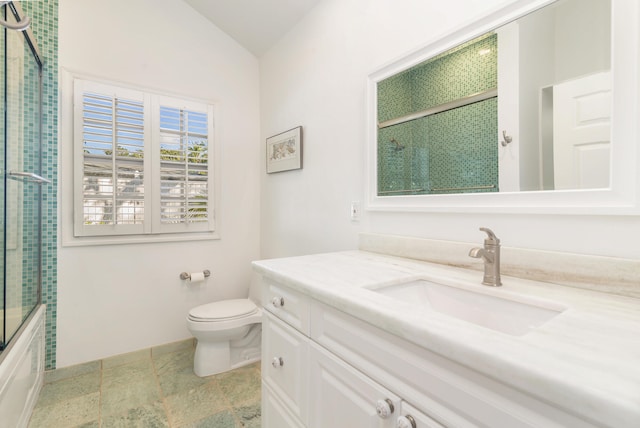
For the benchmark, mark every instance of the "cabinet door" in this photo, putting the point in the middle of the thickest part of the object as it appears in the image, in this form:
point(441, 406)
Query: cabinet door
point(410, 414)
point(274, 413)
point(284, 364)
point(341, 396)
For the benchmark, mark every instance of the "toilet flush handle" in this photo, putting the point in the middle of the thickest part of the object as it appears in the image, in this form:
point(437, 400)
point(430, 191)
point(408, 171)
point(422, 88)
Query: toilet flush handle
point(278, 302)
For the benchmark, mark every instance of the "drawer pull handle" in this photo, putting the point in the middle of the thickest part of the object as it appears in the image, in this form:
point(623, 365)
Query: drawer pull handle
point(384, 408)
point(277, 362)
point(278, 302)
point(406, 422)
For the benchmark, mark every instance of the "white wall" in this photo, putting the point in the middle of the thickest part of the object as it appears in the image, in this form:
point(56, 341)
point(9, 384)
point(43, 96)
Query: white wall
point(557, 44)
point(536, 67)
point(119, 298)
point(316, 76)
point(584, 24)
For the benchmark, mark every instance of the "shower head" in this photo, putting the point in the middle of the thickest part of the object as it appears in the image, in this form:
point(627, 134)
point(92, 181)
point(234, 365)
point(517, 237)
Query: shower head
point(18, 26)
point(398, 146)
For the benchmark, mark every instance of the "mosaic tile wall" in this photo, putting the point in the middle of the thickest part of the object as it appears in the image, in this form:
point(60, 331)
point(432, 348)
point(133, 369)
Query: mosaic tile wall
point(44, 18)
point(453, 149)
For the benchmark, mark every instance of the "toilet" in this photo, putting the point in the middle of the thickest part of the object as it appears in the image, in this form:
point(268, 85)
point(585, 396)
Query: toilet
point(228, 333)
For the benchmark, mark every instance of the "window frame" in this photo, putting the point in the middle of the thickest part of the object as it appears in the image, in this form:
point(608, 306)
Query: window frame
point(152, 230)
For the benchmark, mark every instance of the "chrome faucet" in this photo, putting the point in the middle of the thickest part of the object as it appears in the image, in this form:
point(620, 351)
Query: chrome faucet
point(491, 256)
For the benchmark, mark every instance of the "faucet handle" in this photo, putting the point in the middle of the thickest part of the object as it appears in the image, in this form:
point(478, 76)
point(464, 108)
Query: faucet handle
point(492, 238)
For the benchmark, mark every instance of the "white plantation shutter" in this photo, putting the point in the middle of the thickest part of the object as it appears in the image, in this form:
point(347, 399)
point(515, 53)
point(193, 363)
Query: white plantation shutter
point(110, 160)
point(142, 162)
point(185, 199)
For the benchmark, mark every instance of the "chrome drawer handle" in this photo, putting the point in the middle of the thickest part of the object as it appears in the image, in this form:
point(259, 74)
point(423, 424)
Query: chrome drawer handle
point(277, 362)
point(278, 302)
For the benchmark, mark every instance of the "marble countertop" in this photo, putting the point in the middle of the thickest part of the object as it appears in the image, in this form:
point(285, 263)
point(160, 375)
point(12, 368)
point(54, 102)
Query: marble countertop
point(586, 359)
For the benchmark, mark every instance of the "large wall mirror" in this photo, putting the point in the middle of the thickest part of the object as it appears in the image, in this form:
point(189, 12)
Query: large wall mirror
point(529, 109)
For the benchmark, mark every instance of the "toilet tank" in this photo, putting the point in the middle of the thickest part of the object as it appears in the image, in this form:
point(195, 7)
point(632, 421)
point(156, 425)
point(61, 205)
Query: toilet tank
point(255, 289)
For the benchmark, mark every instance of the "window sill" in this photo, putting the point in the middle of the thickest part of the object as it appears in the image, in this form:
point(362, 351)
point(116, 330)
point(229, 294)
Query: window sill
point(78, 241)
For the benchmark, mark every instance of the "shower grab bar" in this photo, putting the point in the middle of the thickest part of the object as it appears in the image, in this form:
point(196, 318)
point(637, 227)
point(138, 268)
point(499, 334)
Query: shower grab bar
point(444, 189)
point(460, 102)
point(21, 25)
point(30, 176)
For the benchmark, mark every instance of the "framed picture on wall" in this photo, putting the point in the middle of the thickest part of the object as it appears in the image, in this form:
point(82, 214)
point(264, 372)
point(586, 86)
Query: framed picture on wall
point(284, 151)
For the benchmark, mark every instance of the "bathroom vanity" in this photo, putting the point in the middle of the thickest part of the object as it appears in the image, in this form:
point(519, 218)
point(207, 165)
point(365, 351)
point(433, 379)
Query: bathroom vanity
point(405, 335)
point(369, 340)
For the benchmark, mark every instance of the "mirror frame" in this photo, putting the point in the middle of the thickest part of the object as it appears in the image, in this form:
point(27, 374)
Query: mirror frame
point(621, 198)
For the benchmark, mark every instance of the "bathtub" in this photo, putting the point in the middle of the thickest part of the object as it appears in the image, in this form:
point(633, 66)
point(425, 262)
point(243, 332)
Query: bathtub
point(22, 371)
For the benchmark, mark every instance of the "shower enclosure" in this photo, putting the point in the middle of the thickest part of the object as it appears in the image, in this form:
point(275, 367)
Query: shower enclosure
point(22, 325)
point(20, 154)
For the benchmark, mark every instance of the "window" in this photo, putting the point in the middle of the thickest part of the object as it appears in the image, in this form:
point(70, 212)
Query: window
point(141, 162)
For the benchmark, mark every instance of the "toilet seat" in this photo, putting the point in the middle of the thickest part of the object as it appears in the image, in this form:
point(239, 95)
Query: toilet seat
point(225, 310)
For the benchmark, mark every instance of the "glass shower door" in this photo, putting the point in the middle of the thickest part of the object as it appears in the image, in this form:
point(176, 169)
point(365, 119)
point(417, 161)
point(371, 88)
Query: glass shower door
point(22, 179)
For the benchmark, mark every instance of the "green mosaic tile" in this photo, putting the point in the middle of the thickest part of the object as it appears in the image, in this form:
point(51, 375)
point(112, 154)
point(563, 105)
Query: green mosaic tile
point(453, 149)
point(44, 24)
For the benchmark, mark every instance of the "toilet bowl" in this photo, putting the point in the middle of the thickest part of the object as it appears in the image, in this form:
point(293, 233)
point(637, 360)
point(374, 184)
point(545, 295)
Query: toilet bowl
point(228, 333)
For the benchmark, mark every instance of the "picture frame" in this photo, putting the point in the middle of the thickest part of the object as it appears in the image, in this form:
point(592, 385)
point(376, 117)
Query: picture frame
point(284, 151)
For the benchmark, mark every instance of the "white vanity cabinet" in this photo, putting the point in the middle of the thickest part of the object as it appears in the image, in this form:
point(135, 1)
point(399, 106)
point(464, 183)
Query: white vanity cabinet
point(322, 367)
point(445, 392)
point(344, 397)
point(275, 413)
point(284, 364)
point(288, 305)
point(285, 347)
point(411, 417)
point(305, 385)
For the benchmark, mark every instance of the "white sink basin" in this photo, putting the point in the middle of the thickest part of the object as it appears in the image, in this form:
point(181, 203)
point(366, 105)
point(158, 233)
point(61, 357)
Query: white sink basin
point(507, 315)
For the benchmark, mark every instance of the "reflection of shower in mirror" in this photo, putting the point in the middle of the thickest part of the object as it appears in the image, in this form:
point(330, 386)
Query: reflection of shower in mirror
point(488, 112)
point(398, 146)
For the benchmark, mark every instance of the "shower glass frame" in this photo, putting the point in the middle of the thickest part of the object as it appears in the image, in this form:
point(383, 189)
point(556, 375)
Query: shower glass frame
point(21, 154)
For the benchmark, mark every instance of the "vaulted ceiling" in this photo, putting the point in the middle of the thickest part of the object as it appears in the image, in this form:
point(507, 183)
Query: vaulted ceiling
point(255, 24)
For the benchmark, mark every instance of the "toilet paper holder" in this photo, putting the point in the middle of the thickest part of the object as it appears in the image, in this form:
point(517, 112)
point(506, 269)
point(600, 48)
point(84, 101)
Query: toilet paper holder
point(187, 275)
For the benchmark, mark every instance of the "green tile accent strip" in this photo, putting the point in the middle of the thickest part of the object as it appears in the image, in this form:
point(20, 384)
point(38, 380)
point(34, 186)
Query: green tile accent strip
point(44, 24)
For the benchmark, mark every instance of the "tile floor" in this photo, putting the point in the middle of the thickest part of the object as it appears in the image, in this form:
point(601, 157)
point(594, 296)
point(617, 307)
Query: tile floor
point(148, 389)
